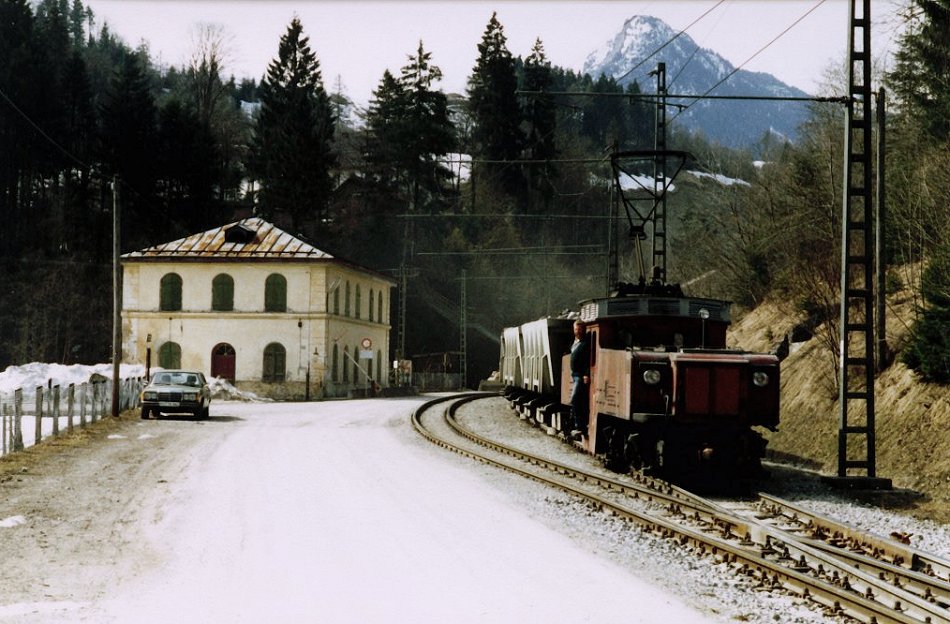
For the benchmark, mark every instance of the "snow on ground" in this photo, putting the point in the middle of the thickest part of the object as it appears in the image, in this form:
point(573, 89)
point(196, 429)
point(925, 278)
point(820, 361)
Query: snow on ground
point(335, 512)
point(28, 377)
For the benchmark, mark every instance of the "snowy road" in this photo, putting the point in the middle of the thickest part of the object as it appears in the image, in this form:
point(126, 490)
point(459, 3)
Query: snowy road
point(321, 512)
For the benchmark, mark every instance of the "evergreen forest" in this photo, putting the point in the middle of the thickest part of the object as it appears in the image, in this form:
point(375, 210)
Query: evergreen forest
point(502, 196)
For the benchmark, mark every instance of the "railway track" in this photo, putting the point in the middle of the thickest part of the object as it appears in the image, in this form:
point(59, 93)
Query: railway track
point(777, 545)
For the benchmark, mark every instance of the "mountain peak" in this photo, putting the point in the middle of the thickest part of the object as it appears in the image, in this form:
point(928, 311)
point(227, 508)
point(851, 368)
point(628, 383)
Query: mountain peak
point(644, 41)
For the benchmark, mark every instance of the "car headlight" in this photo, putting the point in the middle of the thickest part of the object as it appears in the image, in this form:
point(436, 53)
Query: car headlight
point(190, 396)
point(149, 396)
point(651, 376)
point(760, 379)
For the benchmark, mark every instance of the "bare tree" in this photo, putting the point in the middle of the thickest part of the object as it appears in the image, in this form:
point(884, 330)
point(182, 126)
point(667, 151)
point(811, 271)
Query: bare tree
point(211, 52)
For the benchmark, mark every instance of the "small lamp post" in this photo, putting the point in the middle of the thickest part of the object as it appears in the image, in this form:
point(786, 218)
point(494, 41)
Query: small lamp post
point(703, 314)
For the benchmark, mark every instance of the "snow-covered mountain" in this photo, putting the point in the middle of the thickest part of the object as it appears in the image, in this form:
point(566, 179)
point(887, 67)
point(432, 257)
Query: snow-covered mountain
point(693, 70)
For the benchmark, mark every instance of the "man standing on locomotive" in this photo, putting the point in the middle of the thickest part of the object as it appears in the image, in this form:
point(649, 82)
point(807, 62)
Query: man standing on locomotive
point(580, 376)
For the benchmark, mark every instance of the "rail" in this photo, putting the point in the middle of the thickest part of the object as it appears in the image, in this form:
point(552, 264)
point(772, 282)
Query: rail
point(777, 558)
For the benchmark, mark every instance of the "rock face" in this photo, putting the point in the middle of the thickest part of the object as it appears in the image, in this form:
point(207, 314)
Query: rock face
point(645, 41)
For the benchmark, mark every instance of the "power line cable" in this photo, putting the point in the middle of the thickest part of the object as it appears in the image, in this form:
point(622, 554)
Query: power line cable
point(674, 38)
point(748, 60)
point(42, 132)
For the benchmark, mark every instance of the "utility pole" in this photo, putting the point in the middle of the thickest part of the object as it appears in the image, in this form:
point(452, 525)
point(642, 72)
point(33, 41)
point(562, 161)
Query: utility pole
point(659, 176)
point(856, 327)
point(880, 227)
point(116, 297)
point(463, 333)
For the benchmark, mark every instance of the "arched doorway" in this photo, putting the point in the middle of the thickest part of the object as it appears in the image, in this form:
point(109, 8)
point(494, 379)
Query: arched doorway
point(222, 361)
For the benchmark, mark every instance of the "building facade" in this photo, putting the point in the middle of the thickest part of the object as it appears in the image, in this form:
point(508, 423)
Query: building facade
point(250, 303)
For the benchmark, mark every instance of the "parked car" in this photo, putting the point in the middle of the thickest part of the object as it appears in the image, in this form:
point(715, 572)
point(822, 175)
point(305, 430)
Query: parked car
point(176, 392)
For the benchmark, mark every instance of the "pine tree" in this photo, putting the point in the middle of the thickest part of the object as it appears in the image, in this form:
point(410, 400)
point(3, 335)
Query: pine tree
point(929, 350)
point(920, 67)
point(428, 130)
point(493, 101)
point(385, 121)
point(540, 116)
point(292, 150)
point(127, 137)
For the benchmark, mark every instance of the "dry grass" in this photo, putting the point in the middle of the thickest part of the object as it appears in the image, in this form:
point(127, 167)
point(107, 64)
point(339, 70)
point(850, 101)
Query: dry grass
point(27, 460)
point(912, 424)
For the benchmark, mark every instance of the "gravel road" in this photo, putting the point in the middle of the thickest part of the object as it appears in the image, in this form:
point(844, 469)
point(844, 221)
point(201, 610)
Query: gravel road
point(319, 512)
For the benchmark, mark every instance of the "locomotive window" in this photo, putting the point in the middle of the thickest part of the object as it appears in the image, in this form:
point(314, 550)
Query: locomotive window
point(678, 340)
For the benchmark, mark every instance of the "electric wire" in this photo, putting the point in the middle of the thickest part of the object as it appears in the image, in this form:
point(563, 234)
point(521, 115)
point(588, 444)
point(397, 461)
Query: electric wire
point(748, 60)
point(674, 38)
point(43, 133)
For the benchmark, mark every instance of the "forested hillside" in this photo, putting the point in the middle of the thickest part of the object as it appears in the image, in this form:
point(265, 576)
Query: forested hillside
point(519, 221)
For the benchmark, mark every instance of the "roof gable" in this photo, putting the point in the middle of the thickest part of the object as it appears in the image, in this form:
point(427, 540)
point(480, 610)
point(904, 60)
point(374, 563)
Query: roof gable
point(251, 238)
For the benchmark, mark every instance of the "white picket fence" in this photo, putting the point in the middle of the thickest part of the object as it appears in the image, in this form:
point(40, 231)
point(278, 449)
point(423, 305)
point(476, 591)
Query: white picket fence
point(28, 416)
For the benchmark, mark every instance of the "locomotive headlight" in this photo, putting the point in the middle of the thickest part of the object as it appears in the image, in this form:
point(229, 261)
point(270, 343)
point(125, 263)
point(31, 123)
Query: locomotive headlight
point(760, 379)
point(651, 376)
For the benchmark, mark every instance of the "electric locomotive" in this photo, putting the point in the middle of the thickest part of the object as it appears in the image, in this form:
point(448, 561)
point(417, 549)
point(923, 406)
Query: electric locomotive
point(666, 396)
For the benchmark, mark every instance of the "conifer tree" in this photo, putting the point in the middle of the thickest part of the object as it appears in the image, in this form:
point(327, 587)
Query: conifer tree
point(920, 68)
point(540, 118)
point(410, 131)
point(385, 125)
point(493, 101)
point(429, 132)
point(292, 150)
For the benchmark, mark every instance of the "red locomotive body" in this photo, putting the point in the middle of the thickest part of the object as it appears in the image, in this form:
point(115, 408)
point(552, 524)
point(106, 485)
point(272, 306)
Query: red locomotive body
point(666, 395)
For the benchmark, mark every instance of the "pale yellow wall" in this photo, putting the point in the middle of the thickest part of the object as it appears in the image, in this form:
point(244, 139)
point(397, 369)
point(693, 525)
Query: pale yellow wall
point(306, 331)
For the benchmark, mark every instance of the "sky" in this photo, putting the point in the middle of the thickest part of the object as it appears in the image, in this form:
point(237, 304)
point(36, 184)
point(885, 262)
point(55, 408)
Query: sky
point(357, 40)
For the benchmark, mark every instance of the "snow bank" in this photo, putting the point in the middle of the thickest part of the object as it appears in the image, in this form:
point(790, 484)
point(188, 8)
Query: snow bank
point(222, 390)
point(29, 376)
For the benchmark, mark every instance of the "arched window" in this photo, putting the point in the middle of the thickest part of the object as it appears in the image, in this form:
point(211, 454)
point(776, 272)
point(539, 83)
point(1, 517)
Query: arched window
point(275, 293)
point(222, 293)
point(371, 305)
point(335, 371)
point(336, 301)
point(379, 366)
point(346, 301)
point(169, 355)
point(170, 294)
point(356, 365)
point(359, 301)
point(346, 371)
point(275, 363)
point(379, 303)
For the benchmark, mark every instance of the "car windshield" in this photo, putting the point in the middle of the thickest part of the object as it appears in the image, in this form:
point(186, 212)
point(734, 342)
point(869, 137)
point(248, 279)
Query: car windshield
point(177, 379)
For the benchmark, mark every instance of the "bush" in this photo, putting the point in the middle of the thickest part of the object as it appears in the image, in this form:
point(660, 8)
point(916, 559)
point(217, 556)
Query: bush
point(928, 352)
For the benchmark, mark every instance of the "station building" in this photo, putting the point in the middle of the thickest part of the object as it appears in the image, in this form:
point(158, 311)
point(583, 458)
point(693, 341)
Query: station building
point(250, 303)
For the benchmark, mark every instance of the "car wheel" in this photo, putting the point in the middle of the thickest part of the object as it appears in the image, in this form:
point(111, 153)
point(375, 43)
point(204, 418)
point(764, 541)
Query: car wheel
point(204, 412)
point(146, 412)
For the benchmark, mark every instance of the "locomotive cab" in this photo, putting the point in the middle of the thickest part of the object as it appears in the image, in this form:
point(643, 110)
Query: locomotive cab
point(667, 396)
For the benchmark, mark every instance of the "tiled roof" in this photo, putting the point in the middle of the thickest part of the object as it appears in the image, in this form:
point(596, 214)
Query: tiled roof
point(247, 239)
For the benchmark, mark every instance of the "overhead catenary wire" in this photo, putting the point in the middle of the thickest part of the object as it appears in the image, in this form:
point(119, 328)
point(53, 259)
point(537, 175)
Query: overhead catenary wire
point(748, 60)
point(674, 38)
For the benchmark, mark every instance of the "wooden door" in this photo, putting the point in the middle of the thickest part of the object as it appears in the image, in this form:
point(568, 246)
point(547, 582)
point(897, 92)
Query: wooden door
point(222, 361)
